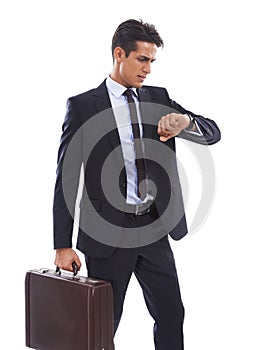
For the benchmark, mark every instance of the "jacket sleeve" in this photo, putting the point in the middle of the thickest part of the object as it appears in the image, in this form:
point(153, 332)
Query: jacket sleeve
point(67, 178)
point(209, 129)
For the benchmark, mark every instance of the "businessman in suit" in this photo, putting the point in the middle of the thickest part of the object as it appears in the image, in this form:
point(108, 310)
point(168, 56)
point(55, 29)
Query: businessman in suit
point(122, 97)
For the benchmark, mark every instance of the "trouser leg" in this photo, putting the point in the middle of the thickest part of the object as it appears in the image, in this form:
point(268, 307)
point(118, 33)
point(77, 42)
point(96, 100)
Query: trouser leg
point(116, 269)
point(156, 273)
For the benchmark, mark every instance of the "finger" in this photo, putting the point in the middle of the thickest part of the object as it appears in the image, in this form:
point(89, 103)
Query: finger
point(164, 138)
point(75, 260)
point(58, 262)
point(65, 264)
point(69, 266)
point(167, 124)
point(78, 262)
point(163, 128)
point(171, 122)
point(164, 133)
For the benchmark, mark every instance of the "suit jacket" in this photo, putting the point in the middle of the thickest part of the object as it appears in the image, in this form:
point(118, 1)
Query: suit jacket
point(89, 135)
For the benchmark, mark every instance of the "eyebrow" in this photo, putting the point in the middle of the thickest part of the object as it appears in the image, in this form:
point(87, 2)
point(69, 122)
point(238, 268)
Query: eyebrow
point(146, 58)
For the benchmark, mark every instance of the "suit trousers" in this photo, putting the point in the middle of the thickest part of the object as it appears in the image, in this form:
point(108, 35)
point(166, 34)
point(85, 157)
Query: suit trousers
point(154, 267)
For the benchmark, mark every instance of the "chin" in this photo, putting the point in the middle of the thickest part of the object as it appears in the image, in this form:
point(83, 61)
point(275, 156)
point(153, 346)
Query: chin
point(135, 84)
point(138, 85)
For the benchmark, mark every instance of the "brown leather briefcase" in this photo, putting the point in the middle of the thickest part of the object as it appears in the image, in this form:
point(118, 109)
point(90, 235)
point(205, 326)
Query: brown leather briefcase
point(67, 312)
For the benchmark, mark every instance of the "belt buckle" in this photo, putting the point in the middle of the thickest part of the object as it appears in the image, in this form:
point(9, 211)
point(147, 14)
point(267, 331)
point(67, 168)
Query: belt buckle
point(137, 212)
point(144, 211)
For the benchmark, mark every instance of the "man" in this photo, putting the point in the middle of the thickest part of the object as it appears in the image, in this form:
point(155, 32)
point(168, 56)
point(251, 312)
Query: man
point(157, 213)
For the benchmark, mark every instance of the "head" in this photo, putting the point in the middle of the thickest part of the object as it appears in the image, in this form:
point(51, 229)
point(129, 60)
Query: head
point(134, 48)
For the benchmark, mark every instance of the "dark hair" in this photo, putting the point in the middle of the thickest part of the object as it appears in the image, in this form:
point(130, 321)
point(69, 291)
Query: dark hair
point(130, 31)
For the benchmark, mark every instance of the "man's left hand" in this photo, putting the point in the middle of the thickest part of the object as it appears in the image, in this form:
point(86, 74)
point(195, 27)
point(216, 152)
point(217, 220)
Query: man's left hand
point(171, 125)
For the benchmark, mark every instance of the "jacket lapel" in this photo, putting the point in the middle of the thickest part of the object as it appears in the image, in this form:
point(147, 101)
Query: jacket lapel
point(103, 105)
point(147, 109)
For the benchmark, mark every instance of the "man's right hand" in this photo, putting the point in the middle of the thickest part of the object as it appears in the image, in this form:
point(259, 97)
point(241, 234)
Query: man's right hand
point(65, 257)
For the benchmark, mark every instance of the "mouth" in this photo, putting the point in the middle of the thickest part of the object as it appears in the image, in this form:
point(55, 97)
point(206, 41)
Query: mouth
point(142, 77)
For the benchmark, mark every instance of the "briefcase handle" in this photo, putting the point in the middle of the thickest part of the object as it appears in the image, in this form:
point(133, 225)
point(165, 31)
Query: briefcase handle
point(75, 268)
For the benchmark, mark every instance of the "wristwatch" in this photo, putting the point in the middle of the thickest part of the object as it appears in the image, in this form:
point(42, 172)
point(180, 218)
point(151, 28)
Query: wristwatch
point(192, 122)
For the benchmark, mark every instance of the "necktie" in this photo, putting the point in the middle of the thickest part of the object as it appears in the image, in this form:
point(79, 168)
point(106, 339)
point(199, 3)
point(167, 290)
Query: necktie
point(141, 173)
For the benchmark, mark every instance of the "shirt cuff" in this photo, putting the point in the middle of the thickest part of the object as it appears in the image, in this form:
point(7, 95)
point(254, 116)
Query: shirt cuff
point(196, 132)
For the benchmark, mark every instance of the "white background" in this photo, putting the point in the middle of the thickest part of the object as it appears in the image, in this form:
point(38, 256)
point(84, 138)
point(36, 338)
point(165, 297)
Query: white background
point(220, 60)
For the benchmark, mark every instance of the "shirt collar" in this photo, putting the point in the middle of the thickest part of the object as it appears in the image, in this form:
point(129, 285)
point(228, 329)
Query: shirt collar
point(117, 89)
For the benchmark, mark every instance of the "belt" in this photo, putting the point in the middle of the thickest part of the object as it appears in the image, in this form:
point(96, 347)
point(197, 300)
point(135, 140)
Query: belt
point(138, 209)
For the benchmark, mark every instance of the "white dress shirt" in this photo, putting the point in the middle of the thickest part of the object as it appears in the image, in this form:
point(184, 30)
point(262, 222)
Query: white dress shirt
point(124, 126)
point(123, 121)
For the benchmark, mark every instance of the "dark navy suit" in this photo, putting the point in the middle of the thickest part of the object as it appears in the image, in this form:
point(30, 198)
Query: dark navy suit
point(152, 264)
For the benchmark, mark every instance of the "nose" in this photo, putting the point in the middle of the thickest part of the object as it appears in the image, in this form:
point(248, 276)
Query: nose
point(147, 68)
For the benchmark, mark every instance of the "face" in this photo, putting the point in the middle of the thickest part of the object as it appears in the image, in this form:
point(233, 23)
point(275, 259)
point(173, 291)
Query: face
point(131, 71)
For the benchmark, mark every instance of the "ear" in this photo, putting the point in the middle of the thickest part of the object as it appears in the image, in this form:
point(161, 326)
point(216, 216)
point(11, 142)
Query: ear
point(118, 54)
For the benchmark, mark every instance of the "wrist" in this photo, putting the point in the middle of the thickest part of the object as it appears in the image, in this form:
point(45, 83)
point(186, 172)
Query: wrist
point(58, 250)
point(191, 122)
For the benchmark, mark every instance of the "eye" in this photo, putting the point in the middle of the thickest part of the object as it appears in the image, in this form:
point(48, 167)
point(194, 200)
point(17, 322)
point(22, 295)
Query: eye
point(143, 59)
